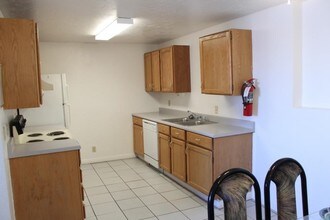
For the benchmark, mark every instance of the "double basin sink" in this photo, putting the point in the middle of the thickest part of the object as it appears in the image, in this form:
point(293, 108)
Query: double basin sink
point(186, 121)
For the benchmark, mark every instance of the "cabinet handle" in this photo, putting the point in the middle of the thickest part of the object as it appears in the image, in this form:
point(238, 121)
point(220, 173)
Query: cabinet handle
point(171, 143)
point(186, 150)
point(197, 139)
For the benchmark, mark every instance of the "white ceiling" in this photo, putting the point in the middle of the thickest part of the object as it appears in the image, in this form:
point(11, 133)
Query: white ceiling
point(156, 21)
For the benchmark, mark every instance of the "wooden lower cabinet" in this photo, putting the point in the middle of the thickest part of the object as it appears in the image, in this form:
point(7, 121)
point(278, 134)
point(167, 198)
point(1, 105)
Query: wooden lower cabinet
point(199, 168)
point(164, 152)
point(138, 136)
point(198, 159)
point(47, 186)
point(178, 157)
point(138, 140)
point(208, 158)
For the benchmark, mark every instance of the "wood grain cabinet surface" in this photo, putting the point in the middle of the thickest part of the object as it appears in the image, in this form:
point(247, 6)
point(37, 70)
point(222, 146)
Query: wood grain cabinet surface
point(48, 186)
point(138, 136)
point(197, 159)
point(152, 71)
point(168, 70)
point(208, 158)
point(164, 152)
point(19, 58)
point(225, 61)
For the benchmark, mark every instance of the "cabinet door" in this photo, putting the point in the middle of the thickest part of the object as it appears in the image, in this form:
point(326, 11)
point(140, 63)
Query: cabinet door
point(47, 186)
point(216, 64)
point(178, 157)
point(199, 168)
point(155, 69)
point(164, 152)
point(166, 69)
point(20, 64)
point(148, 72)
point(138, 140)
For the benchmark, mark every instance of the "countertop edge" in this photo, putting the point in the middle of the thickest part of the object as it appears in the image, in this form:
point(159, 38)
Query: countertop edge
point(39, 148)
point(216, 130)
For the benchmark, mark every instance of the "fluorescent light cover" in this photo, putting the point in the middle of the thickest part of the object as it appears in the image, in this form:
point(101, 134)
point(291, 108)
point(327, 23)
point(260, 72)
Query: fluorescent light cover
point(114, 28)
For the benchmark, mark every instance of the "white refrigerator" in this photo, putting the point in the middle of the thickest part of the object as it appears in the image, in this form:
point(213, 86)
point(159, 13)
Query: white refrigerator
point(55, 109)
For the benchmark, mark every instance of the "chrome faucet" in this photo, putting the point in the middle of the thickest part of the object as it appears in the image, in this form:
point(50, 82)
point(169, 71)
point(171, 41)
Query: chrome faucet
point(193, 115)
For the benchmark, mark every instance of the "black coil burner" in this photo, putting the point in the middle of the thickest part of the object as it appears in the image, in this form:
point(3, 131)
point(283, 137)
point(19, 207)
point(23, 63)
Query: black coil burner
point(35, 140)
point(56, 133)
point(34, 135)
point(60, 138)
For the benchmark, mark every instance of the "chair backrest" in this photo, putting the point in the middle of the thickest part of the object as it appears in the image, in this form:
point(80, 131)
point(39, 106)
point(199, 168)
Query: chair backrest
point(232, 187)
point(284, 173)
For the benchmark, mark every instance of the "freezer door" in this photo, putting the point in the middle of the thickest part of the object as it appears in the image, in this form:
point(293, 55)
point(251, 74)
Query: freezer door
point(65, 89)
point(51, 112)
point(67, 115)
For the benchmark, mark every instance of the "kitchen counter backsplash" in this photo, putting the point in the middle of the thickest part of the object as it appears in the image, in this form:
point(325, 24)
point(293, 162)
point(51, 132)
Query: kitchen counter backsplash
point(224, 126)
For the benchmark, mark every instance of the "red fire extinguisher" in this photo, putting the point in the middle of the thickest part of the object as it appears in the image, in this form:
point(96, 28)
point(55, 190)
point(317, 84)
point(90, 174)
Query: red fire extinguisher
point(247, 96)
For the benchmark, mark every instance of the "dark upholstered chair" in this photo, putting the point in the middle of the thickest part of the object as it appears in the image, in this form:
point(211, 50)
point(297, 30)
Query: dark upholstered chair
point(232, 187)
point(284, 173)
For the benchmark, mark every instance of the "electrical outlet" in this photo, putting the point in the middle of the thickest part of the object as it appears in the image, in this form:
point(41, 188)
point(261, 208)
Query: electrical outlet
point(94, 149)
point(169, 102)
point(216, 109)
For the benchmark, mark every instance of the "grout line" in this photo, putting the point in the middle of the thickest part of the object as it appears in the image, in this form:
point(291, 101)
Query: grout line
point(131, 168)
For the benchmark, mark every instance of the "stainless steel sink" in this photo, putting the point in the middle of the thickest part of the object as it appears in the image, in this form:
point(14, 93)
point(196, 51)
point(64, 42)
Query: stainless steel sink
point(189, 122)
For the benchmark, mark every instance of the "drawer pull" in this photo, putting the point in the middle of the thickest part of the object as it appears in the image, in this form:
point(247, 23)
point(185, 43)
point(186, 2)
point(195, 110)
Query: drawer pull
point(197, 139)
point(177, 133)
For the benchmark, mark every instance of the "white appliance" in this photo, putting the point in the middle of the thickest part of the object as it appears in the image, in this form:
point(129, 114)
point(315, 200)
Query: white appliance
point(55, 109)
point(150, 141)
point(42, 133)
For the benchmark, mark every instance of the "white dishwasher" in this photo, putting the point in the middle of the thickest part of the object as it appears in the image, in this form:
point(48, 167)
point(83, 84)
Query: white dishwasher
point(150, 141)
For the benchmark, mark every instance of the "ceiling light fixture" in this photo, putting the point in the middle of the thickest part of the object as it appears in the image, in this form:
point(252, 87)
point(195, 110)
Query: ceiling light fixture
point(289, 2)
point(113, 29)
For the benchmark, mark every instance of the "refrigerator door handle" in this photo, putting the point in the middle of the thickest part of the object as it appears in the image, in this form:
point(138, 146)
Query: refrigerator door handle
point(67, 115)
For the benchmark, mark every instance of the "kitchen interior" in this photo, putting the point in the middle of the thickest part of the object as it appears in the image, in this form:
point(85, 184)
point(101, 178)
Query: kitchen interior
point(103, 95)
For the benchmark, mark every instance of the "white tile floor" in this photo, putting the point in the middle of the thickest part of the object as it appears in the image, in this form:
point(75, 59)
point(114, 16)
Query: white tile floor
point(130, 189)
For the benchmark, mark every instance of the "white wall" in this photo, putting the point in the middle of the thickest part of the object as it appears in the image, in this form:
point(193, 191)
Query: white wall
point(282, 130)
point(106, 86)
point(315, 51)
point(7, 211)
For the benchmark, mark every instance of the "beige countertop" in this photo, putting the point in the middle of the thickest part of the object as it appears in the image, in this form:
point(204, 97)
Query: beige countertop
point(223, 128)
point(19, 149)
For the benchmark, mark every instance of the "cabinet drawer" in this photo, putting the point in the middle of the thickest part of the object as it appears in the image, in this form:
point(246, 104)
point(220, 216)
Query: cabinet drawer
point(200, 140)
point(178, 133)
point(137, 121)
point(164, 129)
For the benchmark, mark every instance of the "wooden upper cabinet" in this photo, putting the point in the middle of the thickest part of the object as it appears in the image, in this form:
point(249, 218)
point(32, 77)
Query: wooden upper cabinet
point(19, 58)
point(152, 71)
point(167, 70)
point(147, 72)
point(175, 69)
point(155, 62)
point(226, 61)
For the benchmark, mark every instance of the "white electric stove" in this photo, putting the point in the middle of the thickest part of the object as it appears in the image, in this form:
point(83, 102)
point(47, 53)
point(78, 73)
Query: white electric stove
point(42, 133)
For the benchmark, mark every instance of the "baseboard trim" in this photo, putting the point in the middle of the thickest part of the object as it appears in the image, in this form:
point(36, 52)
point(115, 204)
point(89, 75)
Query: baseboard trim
point(109, 158)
